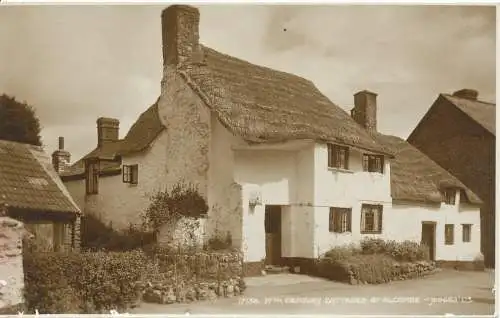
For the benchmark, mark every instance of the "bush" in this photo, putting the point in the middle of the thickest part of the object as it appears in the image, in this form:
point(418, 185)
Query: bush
point(406, 251)
point(95, 235)
point(82, 282)
point(375, 261)
point(342, 252)
point(167, 206)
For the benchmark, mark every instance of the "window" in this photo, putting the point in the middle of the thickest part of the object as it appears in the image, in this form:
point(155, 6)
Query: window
point(449, 234)
point(340, 220)
point(338, 157)
point(373, 163)
point(466, 232)
point(450, 196)
point(130, 174)
point(92, 176)
point(371, 218)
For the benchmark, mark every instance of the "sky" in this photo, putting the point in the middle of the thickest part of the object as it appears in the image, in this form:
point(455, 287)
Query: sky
point(74, 64)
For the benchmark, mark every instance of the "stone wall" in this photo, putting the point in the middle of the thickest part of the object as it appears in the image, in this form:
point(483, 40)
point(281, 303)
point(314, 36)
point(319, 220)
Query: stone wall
point(11, 262)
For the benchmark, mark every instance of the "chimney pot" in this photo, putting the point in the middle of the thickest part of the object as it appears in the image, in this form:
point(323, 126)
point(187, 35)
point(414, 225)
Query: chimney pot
point(365, 110)
point(180, 33)
point(467, 93)
point(60, 157)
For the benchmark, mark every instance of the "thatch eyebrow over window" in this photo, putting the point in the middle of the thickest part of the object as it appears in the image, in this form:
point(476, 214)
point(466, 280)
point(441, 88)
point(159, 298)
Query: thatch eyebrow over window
point(466, 232)
point(338, 156)
point(373, 163)
point(339, 220)
point(371, 218)
point(449, 234)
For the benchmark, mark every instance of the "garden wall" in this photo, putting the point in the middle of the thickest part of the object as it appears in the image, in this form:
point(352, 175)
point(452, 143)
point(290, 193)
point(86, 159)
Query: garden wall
point(11, 262)
point(201, 275)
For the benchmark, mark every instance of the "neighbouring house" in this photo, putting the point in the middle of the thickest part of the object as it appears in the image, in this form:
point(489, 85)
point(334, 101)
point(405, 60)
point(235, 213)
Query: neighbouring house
point(32, 192)
point(283, 169)
point(458, 132)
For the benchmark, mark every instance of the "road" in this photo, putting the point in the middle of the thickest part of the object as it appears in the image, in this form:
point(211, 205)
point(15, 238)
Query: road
point(459, 293)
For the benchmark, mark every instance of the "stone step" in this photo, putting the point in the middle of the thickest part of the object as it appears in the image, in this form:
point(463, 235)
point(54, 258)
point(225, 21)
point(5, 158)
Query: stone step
point(276, 269)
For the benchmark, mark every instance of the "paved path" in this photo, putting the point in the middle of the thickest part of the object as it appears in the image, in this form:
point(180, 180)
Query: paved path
point(460, 293)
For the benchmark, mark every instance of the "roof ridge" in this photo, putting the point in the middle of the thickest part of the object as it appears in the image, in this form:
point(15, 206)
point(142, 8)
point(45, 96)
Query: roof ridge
point(472, 100)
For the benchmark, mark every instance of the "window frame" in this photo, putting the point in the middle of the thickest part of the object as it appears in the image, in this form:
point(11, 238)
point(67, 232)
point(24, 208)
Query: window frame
point(92, 170)
point(130, 174)
point(377, 211)
point(466, 238)
point(334, 156)
point(341, 215)
point(447, 195)
point(448, 240)
point(369, 162)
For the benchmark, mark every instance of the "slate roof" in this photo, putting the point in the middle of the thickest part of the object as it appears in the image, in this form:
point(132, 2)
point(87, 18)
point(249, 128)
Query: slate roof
point(415, 177)
point(28, 180)
point(481, 112)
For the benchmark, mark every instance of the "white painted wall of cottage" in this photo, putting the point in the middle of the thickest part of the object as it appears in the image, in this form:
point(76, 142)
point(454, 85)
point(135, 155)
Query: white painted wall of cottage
point(121, 203)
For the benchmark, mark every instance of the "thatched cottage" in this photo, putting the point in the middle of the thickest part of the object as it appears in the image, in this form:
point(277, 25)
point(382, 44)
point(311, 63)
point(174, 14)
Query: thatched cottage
point(458, 132)
point(31, 191)
point(287, 172)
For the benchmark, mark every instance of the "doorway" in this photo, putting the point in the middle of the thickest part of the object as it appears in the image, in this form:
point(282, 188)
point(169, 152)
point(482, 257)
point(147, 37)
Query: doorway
point(429, 238)
point(272, 224)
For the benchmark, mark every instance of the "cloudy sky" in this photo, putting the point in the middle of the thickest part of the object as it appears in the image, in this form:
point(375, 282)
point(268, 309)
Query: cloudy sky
point(77, 63)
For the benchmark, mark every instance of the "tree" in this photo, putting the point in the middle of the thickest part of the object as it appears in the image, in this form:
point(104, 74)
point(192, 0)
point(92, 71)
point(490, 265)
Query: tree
point(18, 121)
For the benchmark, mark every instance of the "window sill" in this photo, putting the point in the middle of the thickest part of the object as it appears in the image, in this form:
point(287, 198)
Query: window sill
point(346, 232)
point(332, 169)
point(375, 173)
point(371, 232)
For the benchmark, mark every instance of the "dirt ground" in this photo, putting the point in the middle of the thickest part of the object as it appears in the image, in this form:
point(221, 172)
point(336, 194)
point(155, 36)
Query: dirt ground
point(453, 292)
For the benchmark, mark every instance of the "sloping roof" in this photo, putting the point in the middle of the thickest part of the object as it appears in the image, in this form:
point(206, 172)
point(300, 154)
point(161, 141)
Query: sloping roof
point(28, 180)
point(481, 112)
point(263, 105)
point(415, 177)
point(147, 127)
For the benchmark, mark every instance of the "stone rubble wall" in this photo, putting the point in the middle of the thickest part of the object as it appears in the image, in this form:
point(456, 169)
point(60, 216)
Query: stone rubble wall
point(11, 262)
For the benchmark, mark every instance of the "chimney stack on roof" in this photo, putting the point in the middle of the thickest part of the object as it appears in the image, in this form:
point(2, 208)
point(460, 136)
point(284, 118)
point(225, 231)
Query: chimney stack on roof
point(365, 110)
point(180, 34)
point(107, 130)
point(60, 157)
point(467, 93)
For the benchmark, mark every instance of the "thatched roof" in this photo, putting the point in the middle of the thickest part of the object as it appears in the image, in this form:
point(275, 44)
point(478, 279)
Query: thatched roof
point(415, 177)
point(263, 105)
point(29, 182)
point(142, 133)
point(481, 112)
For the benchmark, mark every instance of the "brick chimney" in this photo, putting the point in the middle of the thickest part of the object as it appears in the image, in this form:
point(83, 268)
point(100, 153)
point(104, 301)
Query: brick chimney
point(467, 93)
point(60, 157)
point(180, 34)
point(365, 110)
point(107, 130)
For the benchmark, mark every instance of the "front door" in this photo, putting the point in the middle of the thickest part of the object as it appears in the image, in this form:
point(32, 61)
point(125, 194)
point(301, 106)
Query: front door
point(429, 237)
point(272, 225)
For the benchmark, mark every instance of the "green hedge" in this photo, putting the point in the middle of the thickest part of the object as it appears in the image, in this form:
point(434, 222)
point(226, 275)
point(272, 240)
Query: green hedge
point(82, 282)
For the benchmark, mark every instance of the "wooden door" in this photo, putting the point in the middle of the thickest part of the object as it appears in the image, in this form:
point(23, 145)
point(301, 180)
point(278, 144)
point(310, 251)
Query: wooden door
point(429, 237)
point(272, 225)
